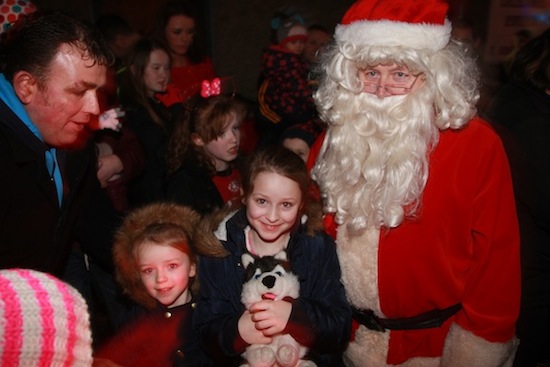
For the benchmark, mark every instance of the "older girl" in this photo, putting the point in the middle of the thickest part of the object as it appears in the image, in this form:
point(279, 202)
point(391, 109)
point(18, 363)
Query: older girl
point(277, 216)
point(202, 153)
point(148, 73)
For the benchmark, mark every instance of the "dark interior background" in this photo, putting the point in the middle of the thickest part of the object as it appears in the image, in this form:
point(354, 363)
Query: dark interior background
point(236, 30)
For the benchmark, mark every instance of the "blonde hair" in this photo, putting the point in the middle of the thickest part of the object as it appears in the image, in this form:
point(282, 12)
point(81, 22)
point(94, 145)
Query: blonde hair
point(374, 164)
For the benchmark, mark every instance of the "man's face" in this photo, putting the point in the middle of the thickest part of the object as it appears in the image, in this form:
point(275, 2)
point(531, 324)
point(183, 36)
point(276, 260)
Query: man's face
point(389, 80)
point(61, 106)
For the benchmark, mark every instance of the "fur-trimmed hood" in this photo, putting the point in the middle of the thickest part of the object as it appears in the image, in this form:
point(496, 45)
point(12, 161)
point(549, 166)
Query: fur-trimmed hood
point(132, 228)
point(311, 220)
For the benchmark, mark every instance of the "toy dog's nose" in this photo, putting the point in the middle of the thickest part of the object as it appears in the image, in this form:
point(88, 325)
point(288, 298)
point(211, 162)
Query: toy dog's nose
point(269, 281)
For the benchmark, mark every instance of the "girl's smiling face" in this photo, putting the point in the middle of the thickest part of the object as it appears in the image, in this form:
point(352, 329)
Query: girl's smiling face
point(272, 209)
point(165, 273)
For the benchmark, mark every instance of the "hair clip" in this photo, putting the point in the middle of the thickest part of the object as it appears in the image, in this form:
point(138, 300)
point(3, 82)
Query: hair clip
point(212, 88)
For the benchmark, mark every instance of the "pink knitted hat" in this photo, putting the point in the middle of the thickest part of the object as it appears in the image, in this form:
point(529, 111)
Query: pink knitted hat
point(43, 321)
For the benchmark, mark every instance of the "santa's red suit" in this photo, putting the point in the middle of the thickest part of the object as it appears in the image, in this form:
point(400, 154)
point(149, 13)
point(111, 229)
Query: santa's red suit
point(461, 248)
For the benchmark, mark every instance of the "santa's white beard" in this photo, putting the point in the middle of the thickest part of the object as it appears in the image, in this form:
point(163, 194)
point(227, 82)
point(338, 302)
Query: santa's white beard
point(375, 165)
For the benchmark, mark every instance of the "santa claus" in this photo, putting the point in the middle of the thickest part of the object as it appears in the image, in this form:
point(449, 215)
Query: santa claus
point(420, 191)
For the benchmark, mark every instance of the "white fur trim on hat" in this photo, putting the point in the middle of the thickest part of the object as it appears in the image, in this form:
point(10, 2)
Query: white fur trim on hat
point(421, 36)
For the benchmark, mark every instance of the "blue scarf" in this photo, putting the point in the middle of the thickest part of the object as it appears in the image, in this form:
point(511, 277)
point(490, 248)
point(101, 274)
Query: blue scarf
point(7, 94)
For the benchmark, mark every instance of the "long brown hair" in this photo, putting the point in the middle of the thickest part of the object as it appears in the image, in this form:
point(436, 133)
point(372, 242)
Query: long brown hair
point(133, 86)
point(205, 118)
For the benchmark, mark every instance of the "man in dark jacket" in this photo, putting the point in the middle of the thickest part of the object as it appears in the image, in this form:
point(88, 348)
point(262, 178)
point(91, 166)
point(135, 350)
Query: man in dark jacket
point(49, 193)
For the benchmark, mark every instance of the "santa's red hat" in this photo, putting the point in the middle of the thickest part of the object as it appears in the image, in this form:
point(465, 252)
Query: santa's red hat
point(417, 24)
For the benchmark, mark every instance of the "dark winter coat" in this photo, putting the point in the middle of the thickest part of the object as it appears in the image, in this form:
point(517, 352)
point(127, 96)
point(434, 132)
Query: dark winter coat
point(147, 187)
point(521, 116)
point(36, 233)
point(320, 318)
point(285, 94)
point(192, 185)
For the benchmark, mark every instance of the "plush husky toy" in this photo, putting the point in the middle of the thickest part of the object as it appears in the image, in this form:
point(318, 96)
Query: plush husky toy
point(269, 277)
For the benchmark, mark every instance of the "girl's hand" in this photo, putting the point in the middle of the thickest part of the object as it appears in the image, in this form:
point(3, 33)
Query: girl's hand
point(110, 119)
point(271, 316)
point(249, 332)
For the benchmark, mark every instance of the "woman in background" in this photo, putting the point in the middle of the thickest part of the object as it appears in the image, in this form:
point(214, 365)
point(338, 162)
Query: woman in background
point(177, 30)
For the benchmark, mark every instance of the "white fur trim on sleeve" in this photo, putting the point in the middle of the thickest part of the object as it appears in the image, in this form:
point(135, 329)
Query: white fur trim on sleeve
point(221, 231)
point(419, 36)
point(463, 348)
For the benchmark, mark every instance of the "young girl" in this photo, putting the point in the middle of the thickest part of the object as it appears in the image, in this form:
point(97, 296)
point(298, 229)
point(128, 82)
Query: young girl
point(277, 216)
point(154, 254)
point(285, 93)
point(148, 74)
point(202, 152)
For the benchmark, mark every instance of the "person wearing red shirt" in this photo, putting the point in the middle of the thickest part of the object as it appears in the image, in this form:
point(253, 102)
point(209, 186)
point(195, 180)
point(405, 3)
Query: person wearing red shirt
point(177, 29)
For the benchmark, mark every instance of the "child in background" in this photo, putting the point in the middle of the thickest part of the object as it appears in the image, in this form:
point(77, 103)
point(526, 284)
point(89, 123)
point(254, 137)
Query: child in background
point(277, 216)
point(300, 138)
point(285, 93)
point(155, 259)
point(202, 152)
point(318, 37)
point(147, 75)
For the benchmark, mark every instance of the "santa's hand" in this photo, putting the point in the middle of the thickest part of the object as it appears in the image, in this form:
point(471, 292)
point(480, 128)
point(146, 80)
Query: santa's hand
point(109, 119)
point(249, 332)
point(271, 317)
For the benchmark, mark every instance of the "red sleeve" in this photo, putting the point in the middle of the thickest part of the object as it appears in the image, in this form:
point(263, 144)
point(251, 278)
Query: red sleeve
point(328, 219)
point(172, 96)
point(313, 154)
point(492, 293)
point(315, 150)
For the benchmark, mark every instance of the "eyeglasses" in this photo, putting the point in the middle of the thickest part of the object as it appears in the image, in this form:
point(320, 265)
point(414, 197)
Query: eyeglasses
point(392, 89)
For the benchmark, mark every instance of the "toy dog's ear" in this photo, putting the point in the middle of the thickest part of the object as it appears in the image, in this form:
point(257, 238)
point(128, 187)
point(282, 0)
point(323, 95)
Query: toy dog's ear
point(280, 256)
point(247, 259)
